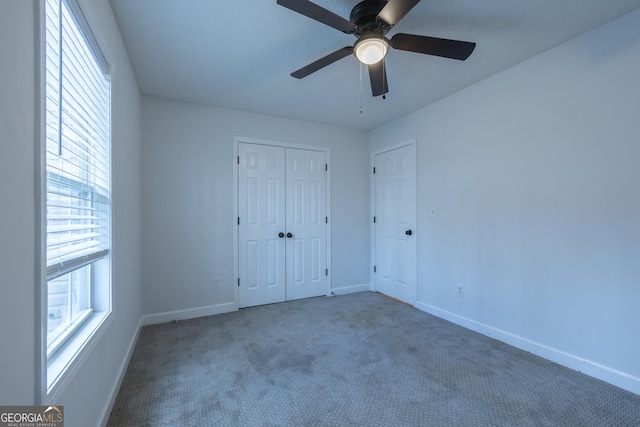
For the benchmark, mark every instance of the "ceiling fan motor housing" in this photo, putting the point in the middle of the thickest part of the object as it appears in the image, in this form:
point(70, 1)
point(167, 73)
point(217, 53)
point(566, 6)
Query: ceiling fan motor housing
point(364, 15)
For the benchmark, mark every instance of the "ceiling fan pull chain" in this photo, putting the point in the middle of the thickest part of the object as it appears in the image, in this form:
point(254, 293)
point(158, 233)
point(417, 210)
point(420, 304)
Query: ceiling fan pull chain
point(384, 81)
point(360, 87)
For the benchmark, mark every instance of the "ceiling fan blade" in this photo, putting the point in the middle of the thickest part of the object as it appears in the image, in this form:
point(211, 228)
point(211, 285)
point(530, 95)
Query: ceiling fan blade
point(322, 62)
point(454, 49)
point(378, 77)
point(313, 11)
point(395, 10)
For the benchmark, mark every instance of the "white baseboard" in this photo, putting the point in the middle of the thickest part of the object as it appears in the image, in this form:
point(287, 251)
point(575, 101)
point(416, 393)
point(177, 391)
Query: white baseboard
point(350, 289)
point(191, 313)
point(593, 369)
point(106, 411)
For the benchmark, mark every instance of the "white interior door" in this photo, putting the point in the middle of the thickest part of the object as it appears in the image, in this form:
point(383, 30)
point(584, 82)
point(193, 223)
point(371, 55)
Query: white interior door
point(306, 252)
point(282, 224)
point(261, 213)
point(395, 219)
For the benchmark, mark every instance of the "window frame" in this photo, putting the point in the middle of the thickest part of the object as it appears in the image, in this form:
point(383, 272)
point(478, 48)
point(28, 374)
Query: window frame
point(56, 368)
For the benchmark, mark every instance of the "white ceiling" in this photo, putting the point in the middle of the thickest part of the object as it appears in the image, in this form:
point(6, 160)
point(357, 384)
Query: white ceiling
point(239, 54)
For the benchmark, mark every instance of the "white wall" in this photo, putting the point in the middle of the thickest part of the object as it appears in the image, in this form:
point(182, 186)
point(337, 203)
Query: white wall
point(534, 174)
point(188, 202)
point(86, 398)
point(17, 217)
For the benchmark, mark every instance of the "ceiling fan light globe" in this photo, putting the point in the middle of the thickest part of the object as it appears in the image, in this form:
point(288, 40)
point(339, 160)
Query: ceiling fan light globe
point(371, 50)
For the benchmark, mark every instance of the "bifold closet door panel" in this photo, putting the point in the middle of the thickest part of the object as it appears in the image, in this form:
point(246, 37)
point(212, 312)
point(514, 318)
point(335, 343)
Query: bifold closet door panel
point(306, 217)
point(261, 211)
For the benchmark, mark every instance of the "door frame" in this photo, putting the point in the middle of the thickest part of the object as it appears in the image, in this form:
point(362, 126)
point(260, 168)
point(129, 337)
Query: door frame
point(236, 265)
point(372, 209)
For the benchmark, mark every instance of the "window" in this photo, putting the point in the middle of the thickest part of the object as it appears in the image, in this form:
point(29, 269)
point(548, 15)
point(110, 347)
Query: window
point(77, 211)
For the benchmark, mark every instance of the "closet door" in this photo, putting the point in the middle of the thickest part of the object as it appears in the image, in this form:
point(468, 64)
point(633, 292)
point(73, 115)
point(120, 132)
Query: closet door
point(306, 216)
point(282, 228)
point(395, 212)
point(262, 228)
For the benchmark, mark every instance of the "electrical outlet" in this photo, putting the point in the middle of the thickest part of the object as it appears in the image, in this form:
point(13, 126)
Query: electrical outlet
point(216, 282)
point(460, 290)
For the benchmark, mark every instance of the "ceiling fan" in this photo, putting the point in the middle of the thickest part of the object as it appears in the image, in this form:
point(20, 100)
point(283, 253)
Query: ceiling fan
point(369, 21)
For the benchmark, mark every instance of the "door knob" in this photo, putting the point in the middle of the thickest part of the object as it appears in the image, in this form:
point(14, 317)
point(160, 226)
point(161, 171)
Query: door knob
point(408, 232)
point(289, 235)
point(281, 234)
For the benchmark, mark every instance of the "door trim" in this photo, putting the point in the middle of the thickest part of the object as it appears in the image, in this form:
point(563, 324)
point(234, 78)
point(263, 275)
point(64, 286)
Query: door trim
point(372, 230)
point(236, 266)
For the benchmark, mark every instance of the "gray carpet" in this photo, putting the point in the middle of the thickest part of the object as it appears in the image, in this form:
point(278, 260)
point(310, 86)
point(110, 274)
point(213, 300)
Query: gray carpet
point(354, 360)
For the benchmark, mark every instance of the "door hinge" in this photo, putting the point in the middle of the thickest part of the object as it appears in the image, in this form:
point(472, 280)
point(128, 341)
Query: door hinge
point(326, 167)
point(374, 219)
point(374, 268)
point(326, 220)
point(238, 220)
point(238, 282)
point(326, 272)
point(374, 169)
point(238, 159)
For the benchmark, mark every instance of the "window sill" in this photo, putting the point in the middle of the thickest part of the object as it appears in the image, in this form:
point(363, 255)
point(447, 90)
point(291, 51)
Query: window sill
point(69, 333)
point(63, 365)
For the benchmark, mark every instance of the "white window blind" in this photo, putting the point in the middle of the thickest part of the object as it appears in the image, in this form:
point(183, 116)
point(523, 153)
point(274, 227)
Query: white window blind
point(77, 142)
